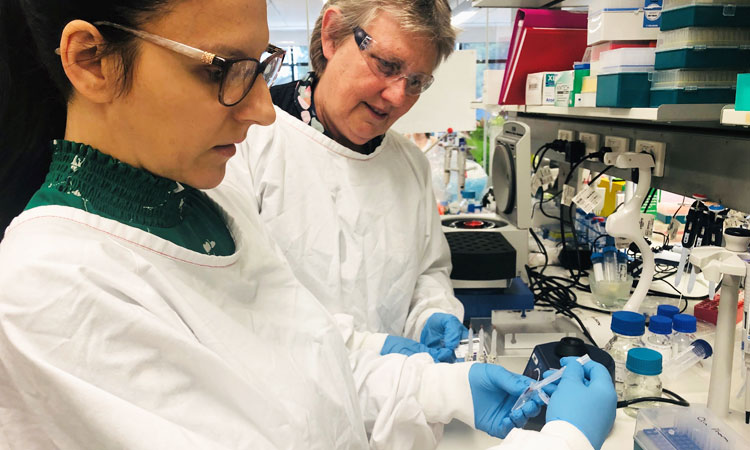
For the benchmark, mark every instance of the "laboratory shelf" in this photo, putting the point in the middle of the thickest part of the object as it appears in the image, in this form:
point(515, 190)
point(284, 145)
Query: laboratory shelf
point(664, 113)
point(731, 117)
point(526, 3)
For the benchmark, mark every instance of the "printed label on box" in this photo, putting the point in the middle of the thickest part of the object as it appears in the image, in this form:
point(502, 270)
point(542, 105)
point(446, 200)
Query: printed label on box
point(652, 13)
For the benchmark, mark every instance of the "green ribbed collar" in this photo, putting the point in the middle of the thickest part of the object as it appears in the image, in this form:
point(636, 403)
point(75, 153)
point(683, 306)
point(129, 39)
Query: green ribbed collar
point(114, 189)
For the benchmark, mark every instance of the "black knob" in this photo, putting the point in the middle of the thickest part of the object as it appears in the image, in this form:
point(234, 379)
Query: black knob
point(570, 346)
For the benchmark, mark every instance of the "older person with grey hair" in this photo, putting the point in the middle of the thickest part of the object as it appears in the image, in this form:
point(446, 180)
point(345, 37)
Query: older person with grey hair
point(350, 202)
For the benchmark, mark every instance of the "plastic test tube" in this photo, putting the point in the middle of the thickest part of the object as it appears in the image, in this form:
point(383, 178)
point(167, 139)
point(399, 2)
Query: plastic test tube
point(537, 386)
point(610, 264)
point(470, 347)
point(697, 351)
point(596, 263)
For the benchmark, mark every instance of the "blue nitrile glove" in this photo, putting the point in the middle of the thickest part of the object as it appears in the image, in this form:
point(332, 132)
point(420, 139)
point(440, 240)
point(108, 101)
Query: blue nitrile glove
point(494, 390)
point(405, 346)
point(586, 398)
point(443, 331)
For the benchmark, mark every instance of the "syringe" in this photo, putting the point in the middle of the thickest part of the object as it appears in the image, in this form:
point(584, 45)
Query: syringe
point(537, 386)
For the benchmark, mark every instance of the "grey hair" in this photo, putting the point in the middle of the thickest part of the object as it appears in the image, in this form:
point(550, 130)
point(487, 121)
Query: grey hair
point(429, 18)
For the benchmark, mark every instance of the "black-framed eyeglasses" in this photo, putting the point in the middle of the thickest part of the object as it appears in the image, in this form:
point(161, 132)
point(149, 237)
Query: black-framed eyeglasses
point(416, 83)
point(237, 75)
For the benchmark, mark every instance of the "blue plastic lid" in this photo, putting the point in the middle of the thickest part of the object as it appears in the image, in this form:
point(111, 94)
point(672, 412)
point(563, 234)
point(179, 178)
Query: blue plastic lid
point(467, 194)
point(705, 346)
point(716, 208)
point(644, 361)
point(622, 257)
point(589, 216)
point(596, 257)
point(579, 66)
point(628, 323)
point(667, 310)
point(609, 241)
point(660, 325)
point(684, 323)
point(609, 249)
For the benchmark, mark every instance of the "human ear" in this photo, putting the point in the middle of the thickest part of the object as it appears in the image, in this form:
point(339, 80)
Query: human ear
point(331, 18)
point(91, 75)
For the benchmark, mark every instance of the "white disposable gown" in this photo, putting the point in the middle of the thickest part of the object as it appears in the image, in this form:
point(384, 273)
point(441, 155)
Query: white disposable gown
point(361, 232)
point(111, 337)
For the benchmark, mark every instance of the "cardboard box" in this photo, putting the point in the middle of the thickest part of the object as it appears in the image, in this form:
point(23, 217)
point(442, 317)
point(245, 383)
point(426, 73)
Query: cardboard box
point(540, 88)
point(564, 88)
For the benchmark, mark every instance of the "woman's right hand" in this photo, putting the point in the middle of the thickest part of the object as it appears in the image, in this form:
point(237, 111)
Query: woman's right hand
point(585, 398)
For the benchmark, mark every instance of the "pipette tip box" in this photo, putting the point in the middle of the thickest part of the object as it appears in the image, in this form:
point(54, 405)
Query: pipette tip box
point(679, 428)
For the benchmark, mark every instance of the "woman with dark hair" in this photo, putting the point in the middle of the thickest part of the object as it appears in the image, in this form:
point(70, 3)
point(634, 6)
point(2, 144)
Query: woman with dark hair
point(137, 310)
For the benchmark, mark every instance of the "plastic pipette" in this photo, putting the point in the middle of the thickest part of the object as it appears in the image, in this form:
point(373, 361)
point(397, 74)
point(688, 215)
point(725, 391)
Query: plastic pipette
point(537, 386)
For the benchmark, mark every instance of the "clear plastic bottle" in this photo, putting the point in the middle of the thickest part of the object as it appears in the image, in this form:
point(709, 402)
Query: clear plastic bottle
point(642, 379)
point(596, 264)
point(667, 310)
point(467, 202)
point(684, 327)
point(628, 328)
point(622, 265)
point(697, 350)
point(659, 336)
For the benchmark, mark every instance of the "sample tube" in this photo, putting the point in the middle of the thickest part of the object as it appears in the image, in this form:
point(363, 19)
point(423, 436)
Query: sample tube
point(610, 264)
point(596, 263)
point(697, 351)
point(622, 266)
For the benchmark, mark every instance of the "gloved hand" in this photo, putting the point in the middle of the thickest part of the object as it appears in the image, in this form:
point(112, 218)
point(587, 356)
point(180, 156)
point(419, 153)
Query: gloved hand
point(494, 390)
point(443, 331)
point(586, 398)
point(405, 346)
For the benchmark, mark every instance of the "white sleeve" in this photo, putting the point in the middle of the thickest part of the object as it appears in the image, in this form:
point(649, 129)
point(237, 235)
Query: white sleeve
point(405, 400)
point(557, 434)
point(433, 291)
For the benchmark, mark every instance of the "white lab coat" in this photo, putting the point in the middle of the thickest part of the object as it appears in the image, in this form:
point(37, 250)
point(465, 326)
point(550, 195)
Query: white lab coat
point(111, 337)
point(361, 232)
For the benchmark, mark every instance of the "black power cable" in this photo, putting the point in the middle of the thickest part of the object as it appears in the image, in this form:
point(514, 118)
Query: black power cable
point(675, 400)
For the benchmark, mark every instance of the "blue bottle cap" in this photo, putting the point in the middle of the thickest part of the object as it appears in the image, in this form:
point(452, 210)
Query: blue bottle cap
point(589, 216)
point(707, 350)
point(609, 249)
point(609, 241)
point(684, 323)
point(660, 325)
point(467, 194)
point(644, 361)
point(628, 323)
point(622, 257)
point(596, 257)
point(667, 310)
point(716, 208)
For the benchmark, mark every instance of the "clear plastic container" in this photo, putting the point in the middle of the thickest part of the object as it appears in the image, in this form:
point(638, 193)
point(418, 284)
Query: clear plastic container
point(642, 379)
point(684, 327)
point(693, 79)
point(696, 351)
point(627, 60)
point(610, 264)
point(659, 339)
point(628, 328)
point(611, 294)
point(679, 428)
point(698, 37)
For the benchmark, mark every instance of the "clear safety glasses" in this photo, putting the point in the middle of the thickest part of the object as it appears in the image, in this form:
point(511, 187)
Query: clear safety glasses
point(237, 75)
point(416, 83)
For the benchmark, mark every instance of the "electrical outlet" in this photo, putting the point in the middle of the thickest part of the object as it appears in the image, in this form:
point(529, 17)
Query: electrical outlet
point(656, 149)
point(590, 140)
point(566, 135)
point(617, 144)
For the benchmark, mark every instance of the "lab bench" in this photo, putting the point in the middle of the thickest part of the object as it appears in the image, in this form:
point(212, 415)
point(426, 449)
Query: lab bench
point(693, 386)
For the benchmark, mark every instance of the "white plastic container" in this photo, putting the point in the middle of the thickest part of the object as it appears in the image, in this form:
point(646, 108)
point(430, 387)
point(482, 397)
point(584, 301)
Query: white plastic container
point(627, 60)
point(540, 88)
point(621, 20)
point(676, 427)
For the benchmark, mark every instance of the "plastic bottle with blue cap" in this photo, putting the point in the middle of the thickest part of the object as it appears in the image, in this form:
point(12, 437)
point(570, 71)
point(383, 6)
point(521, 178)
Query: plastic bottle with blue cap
point(684, 327)
point(659, 337)
point(667, 310)
point(596, 264)
point(698, 350)
point(643, 366)
point(628, 328)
